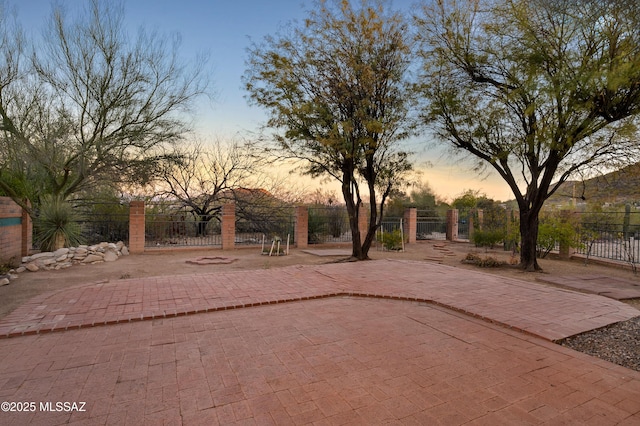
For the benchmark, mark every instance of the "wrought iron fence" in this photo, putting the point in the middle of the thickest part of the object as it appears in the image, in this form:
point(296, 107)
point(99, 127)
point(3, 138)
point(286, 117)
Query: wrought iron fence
point(103, 222)
point(614, 236)
point(265, 223)
point(328, 224)
point(170, 224)
point(391, 224)
point(431, 228)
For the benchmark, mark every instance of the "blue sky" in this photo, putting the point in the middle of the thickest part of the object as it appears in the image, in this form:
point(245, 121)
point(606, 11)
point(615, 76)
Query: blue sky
point(224, 29)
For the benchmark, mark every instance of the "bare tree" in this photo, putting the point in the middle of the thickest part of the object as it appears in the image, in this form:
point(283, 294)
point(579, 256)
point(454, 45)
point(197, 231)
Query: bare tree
point(93, 104)
point(205, 176)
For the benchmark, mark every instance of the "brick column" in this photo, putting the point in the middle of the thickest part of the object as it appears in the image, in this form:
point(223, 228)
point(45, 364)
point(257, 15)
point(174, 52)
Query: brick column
point(302, 227)
point(363, 222)
point(411, 224)
point(452, 225)
point(27, 232)
point(136, 227)
point(228, 226)
point(10, 231)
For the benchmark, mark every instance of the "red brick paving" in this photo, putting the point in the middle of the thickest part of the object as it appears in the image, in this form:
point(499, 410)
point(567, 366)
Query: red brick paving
point(329, 358)
point(613, 287)
point(547, 312)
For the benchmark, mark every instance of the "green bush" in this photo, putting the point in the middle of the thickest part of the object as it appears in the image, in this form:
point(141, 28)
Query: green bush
point(391, 240)
point(555, 229)
point(487, 238)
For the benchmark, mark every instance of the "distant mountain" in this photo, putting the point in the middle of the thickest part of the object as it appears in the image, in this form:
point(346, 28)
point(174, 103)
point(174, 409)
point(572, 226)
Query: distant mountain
point(618, 187)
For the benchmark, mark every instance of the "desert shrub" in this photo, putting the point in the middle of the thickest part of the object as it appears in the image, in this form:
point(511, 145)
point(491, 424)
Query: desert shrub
point(555, 229)
point(487, 262)
point(487, 238)
point(391, 240)
point(471, 258)
point(490, 262)
point(57, 224)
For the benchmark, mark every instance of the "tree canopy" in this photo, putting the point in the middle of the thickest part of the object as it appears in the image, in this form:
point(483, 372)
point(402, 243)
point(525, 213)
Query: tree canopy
point(88, 104)
point(535, 89)
point(337, 94)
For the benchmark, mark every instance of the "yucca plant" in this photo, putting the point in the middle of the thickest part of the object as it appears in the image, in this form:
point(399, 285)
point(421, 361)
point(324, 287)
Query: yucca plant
point(57, 224)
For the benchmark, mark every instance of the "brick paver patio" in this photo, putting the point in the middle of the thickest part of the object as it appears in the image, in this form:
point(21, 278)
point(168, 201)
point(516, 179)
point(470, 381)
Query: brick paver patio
point(225, 348)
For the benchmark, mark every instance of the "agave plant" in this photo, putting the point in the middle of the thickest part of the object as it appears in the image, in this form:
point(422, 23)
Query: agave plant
point(57, 224)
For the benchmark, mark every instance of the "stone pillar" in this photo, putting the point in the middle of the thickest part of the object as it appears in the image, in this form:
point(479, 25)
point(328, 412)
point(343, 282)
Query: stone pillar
point(136, 227)
point(411, 225)
point(27, 232)
point(363, 222)
point(452, 225)
point(228, 226)
point(302, 227)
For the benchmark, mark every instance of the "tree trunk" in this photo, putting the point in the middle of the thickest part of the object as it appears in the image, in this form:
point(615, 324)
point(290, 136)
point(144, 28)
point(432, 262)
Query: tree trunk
point(529, 240)
point(352, 210)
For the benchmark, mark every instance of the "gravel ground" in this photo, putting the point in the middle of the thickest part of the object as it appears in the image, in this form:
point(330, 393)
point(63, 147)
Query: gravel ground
point(618, 343)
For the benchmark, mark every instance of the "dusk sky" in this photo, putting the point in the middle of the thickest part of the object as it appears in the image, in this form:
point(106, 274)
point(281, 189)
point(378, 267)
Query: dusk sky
point(224, 29)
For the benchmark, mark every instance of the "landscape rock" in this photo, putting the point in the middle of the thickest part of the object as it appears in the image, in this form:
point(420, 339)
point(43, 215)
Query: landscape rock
point(42, 255)
point(60, 252)
point(94, 257)
point(69, 256)
point(110, 256)
point(4, 281)
point(32, 267)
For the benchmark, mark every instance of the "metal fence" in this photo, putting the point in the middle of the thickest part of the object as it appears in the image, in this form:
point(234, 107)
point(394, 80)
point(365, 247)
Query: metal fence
point(328, 224)
point(614, 236)
point(175, 225)
point(255, 224)
point(103, 222)
point(391, 224)
point(169, 224)
point(431, 228)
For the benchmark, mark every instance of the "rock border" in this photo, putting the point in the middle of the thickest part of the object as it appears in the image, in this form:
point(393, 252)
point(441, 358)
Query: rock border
point(66, 257)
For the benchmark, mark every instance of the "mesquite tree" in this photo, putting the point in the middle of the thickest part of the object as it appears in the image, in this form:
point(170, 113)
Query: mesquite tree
point(337, 93)
point(536, 89)
point(88, 104)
